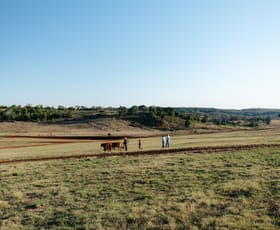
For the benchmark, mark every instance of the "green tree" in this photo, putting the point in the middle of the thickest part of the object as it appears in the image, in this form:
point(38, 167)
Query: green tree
point(61, 107)
point(188, 122)
point(253, 122)
point(143, 108)
point(267, 120)
point(204, 119)
point(156, 120)
point(133, 110)
point(122, 110)
point(171, 112)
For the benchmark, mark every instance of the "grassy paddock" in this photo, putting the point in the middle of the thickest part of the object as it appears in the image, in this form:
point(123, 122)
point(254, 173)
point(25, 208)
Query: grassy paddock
point(233, 190)
point(49, 149)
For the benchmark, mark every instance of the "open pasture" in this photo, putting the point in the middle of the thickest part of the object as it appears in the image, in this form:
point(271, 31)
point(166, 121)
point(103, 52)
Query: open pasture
point(26, 148)
point(232, 190)
point(236, 189)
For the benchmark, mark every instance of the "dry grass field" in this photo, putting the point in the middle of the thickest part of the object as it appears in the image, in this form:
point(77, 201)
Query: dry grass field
point(237, 189)
point(17, 145)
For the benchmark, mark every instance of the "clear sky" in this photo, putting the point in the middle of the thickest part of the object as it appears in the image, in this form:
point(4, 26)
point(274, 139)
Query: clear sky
point(191, 53)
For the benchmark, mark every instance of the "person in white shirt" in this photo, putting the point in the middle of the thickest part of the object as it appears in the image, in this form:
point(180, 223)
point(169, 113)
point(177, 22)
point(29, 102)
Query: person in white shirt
point(163, 141)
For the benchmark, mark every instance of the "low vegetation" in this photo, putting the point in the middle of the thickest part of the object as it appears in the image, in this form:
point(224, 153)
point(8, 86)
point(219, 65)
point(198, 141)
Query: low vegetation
point(33, 113)
point(233, 190)
point(168, 118)
point(226, 190)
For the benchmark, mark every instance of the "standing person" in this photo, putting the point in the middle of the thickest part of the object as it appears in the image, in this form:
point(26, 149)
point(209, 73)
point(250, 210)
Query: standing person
point(125, 141)
point(167, 141)
point(163, 141)
point(139, 144)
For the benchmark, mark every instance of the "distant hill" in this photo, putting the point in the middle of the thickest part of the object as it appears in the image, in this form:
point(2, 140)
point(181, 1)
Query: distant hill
point(166, 118)
point(253, 112)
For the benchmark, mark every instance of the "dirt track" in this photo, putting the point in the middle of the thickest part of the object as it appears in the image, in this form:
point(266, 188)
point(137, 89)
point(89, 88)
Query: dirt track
point(78, 137)
point(209, 149)
point(61, 140)
point(37, 145)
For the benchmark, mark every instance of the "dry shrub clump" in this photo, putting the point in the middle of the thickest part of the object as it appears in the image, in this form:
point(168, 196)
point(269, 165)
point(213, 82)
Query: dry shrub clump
point(18, 195)
point(4, 204)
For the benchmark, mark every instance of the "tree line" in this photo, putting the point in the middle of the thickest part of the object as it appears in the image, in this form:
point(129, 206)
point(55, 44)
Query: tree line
point(157, 114)
point(33, 113)
point(147, 115)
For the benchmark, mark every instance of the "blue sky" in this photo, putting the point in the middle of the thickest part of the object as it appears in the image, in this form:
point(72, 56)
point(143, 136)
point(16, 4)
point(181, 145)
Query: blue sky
point(199, 53)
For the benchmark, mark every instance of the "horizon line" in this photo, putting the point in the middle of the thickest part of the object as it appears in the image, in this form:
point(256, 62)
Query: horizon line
point(129, 106)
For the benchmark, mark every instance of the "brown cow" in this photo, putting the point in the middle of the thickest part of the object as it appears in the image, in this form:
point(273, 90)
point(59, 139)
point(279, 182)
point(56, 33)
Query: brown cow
point(106, 146)
point(118, 145)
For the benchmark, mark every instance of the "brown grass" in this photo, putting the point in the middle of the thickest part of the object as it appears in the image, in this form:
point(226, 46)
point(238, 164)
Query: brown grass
point(98, 127)
point(233, 190)
point(19, 148)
